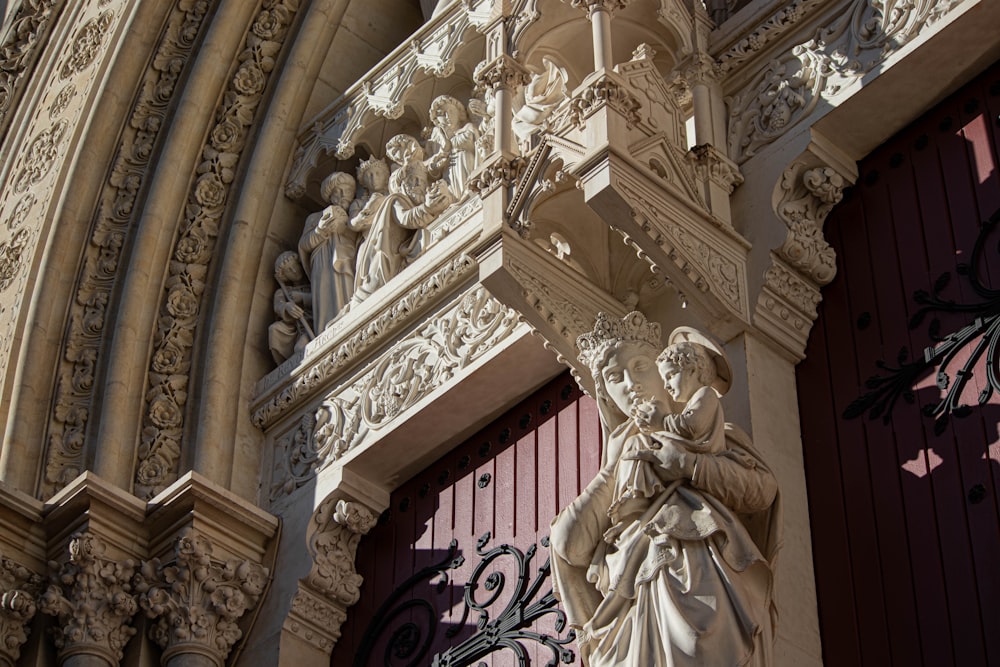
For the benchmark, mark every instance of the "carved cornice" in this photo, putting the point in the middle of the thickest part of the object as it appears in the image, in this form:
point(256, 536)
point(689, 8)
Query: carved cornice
point(37, 157)
point(109, 230)
point(28, 28)
point(789, 89)
point(319, 606)
point(169, 366)
point(93, 599)
point(769, 31)
point(604, 91)
point(374, 333)
point(501, 72)
point(808, 195)
point(196, 600)
point(19, 589)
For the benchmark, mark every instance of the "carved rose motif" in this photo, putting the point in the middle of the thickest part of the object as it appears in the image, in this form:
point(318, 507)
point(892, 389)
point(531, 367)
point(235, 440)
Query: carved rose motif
point(209, 191)
point(249, 79)
point(168, 359)
point(164, 412)
point(267, 25)
point(192, 249)
point(228, 136)
point(182, 303)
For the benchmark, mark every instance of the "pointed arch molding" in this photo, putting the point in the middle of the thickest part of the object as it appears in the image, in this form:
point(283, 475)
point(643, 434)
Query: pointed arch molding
point(112, 223)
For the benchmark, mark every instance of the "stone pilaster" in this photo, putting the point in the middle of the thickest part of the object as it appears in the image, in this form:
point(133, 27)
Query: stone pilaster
point(92, 596)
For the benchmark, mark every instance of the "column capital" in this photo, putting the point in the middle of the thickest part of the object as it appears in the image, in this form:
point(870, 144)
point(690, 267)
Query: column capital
point(92, 596)
point(591, 6)
point(501, 72)
point(19, 590)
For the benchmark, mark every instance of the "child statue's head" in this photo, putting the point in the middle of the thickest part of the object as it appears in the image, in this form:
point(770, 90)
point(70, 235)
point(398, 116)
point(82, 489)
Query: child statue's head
point(692, 361)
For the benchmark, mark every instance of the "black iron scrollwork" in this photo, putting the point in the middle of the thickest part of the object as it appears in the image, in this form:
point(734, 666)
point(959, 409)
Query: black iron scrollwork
point(509, 628)
point(983, 331)
point(411, 640)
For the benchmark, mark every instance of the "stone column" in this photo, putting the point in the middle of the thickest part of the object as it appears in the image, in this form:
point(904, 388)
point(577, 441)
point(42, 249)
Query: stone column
point(600, 12)
point(196, 601)
point(92, 596)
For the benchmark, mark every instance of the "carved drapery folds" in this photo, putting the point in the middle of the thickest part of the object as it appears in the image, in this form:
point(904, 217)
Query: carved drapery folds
point(19, 590)
point(790, 88)
point(320, 605)
point(166, 394)
point(196, 600)
point(93, 597)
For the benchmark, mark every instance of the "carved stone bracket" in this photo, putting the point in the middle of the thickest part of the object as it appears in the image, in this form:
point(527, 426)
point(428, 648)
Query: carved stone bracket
point(807, 194)
point(93, 598)
point(604, 91)
point(786, 306)
point(717, 177)
point(501, 172)
point(196, 599)
point(19, 590)
point(320, 605)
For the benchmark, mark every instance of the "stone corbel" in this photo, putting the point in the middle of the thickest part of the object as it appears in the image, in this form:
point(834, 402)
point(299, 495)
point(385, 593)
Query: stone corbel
point(559, 304)
point(320, 604)
point(717, 176)
point(808, 190)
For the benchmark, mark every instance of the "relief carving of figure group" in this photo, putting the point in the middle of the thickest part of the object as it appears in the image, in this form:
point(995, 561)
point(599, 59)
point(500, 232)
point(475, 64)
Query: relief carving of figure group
point(379, 222)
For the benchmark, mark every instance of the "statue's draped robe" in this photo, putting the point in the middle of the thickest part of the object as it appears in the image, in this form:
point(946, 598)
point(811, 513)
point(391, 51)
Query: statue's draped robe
point(329, 258)
point(670, 574)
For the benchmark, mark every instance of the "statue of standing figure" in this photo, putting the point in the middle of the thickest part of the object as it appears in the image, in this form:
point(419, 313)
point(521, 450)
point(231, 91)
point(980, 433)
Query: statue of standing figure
point(328, 248)
point(665, 559)
point(452, 145)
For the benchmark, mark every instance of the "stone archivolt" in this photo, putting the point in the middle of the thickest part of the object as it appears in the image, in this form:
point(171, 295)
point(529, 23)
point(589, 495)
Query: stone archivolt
point(28, 29)
point(166, 394)
point(110, 227)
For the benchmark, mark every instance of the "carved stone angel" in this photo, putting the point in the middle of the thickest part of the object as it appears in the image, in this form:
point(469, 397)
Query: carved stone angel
point(665, 559)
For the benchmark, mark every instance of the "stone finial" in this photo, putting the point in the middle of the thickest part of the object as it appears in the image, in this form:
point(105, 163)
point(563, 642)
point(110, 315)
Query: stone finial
point(92, 597)
point(196, 600)
point(19, 588)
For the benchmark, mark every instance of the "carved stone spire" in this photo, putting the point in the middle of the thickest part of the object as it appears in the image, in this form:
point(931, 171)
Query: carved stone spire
point(19, 588)
point(196, 600)
point(92, 596)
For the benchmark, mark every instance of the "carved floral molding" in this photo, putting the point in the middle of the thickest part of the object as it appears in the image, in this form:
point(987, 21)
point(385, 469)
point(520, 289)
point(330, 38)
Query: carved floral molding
point(394, 382)
point(169, 367)
point(790, 87)
point(37, 160)
point(28, 29)
point(110, 227)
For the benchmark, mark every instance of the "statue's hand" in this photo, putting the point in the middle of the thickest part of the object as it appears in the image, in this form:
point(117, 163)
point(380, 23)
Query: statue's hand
point(294, 311)
point(647, 415)
point(673, 462)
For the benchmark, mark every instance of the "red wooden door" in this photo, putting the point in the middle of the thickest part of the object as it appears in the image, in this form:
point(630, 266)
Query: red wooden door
point(904, 506)
point(507, 482)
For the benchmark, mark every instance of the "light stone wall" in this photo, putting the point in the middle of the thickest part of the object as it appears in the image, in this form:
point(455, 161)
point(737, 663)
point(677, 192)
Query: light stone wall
point(117, 120)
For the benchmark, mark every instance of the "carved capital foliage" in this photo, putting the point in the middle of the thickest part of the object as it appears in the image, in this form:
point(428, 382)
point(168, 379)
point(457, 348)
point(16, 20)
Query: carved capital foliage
point(591, 6)
point(169, 367)
point(93, 598)
point(790, 87)
point(502, 172)
point(196, 600)
point(711, 164)
point(501, 72)
point(806, 197)
point(605, 91)
point(19, 590)
point(108, 232)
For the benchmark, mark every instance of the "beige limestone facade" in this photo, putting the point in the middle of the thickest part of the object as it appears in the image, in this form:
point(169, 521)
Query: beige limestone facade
point(177, 485)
